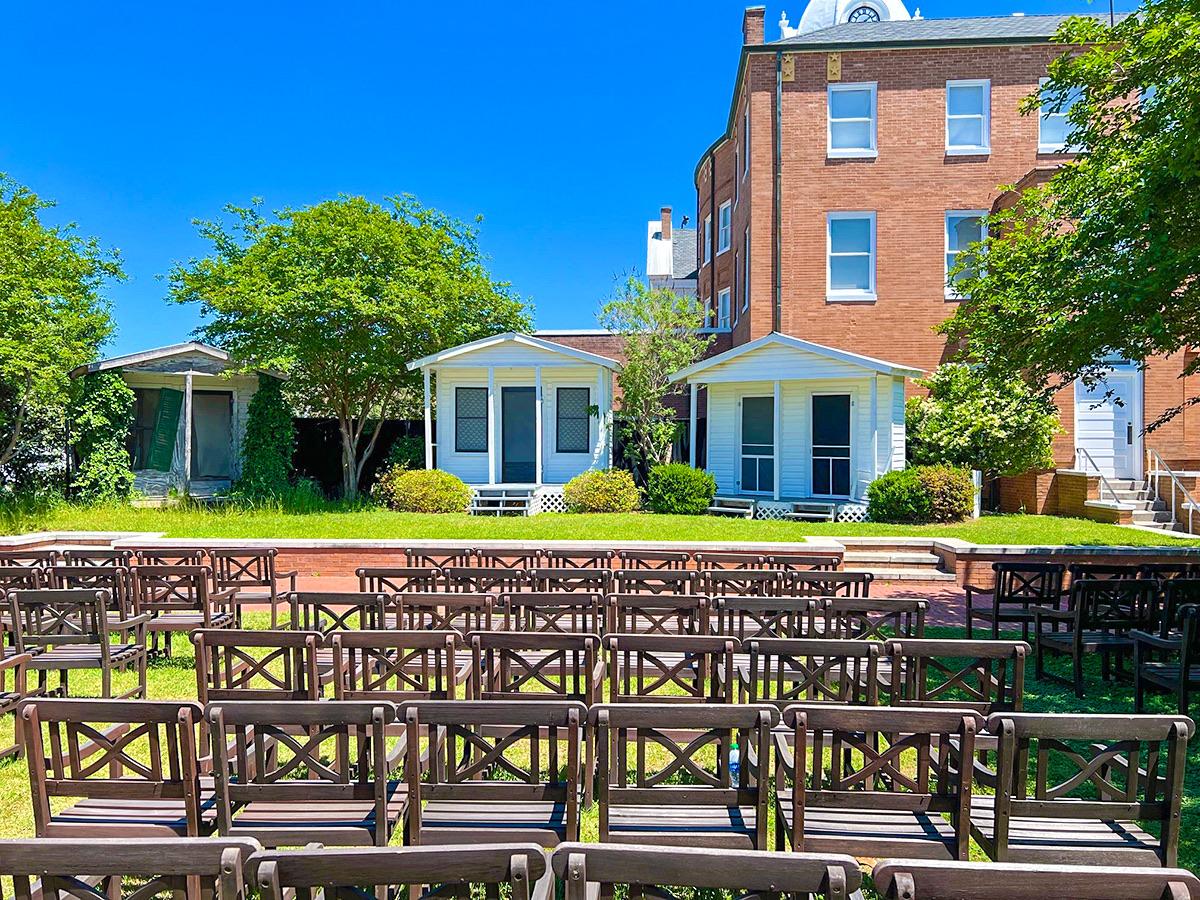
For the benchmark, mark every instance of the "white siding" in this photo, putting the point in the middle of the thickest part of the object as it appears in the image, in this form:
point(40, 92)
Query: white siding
point(784, 363)
point(899, 438)
point(511, 354)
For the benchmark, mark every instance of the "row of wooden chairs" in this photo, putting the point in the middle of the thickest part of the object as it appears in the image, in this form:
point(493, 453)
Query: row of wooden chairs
point(233, 869)
point(868, 781)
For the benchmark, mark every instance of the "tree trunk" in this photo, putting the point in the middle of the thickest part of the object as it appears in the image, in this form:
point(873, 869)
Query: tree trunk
point(349, 469)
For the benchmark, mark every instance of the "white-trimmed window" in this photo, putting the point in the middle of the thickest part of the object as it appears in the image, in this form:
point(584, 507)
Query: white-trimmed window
point(968, 117)
point(850, 273)
point(852, 120)
point(746, 141)
point(746, 269)
point(724, 227)
point(707, 239)
point(964, 227)
point(1053, 127)
point(733, 292)
point(723, 308)
point(470, 420)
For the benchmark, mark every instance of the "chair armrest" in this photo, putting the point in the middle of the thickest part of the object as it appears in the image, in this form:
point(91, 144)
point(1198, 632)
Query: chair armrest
point(130, 623)
point(289, 577)
point(463, 675)
point(1156, 641)
point(599, 672)
point(398, 753)
point(1055, 615)
point(223, 595)
point(785, 753)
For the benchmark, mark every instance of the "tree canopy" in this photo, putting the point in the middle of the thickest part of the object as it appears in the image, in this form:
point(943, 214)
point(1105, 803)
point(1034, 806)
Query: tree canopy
point(340, 296)
point(1101, 260)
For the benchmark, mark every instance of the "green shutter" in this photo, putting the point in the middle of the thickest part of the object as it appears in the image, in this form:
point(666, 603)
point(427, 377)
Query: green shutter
point(166, 427)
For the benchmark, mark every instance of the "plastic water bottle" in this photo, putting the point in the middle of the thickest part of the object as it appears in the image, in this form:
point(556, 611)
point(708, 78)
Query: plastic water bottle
point(735, 763)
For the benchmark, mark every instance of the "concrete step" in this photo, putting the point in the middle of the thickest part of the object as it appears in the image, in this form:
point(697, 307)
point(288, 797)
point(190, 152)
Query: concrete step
point(896, 559)
point(898, 574)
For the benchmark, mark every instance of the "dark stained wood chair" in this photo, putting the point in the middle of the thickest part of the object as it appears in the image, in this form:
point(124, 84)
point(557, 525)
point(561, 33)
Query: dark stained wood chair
point(68, 631)
point(22, 578)
point(730, 561)
point(399, 665)
point(398, 579)
point(985, 676)
point(35, 558)
point(830, 584)
point(578, 558)
point(786, 671)
point(1075, 788)
point(867, 781)
point(679, 791)
point(232, 664)
point(911, 879)
point(138, 868)
point(436, 557)
point(654, 581)
point(131, 766)
point(97, 556)
point(653, 559)
point(1170, 571)
point(13, 689)
point(506, 558)
point(589, 871)
point(1175, 594)
point(866, 619)
point(253, 576)
point(483, 580)
point(294, 773)
point(111, 577)
point(497, 773)
point(170, 556)
point(662, 668)
point(180, 599)
point(802, 562)
point(476, 870)
point(1018, 589)
point(743, 583)
point(449, 612)
point(778, 617)
point(1101, 614)
point(1104, 571)
point(328, 612)
point(669, 614)
point(574, 613)
point(563, 580)
point(1168, 664)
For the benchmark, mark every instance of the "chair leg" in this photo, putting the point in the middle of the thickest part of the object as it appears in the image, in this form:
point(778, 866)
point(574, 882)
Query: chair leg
point(1139, 693)
point(1077, 669)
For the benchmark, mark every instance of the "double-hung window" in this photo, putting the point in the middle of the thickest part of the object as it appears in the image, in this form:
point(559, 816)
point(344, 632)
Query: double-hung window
point(852, 128)
point(963, 228)
point(1053, 127)
point(968, 117)
point(573, 420)
point(746, 269)
point(707, 239)
point(851, 264)
point(723, 308)
point(724, 229)
point(733, 292)
point(470, 420)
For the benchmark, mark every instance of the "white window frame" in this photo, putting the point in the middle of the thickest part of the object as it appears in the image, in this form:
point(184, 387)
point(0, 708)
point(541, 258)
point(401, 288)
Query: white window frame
point(724, 227)
point(852, 152)
point(1043, 115)
point(733, 287)
point(746, 141)
point(746, 269)
point(985, 114)
point(843, 296)
point(708, 239)
point(951, 293)
point(723, 311)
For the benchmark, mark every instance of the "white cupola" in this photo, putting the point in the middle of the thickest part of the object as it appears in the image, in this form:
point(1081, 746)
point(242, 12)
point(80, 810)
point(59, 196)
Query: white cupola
point(827, 13)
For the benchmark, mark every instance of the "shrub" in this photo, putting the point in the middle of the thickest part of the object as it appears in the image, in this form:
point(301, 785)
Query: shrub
point(678, 488)
point(269, 443)
point(102, 418)
point(921, 494)
point(408, 452)
point(422, 490)
point(611, 491)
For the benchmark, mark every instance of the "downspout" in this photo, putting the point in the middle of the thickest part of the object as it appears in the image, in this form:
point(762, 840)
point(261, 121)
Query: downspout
point(712, 232)
point(776, 193)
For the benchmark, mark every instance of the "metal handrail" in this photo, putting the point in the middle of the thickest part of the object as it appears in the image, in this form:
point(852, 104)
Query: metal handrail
point(1153, 456)
point(1104, 485)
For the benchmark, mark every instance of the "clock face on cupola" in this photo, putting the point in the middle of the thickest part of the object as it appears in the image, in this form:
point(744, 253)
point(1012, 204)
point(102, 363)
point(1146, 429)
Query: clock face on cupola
point(863, 14)
point(828, 13)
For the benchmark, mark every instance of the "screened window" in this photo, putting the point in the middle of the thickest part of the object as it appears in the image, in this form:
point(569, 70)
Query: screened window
point(746, 270)
point(1053, 127)
point(573, 419)
point(852, 120)
point(470, 420)
point(707, 238)
point(724, 227)
point(851, 271)
point(733, 290)
point(723, 308)
point(968, 114)
point(962, 230)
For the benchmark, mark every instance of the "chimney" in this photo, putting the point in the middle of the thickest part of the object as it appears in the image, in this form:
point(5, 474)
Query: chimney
point(665, 217)
point(754, 30)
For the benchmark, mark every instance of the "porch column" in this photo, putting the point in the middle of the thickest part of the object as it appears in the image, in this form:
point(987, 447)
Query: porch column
point(491, 424)
point(428, 423)
point(187, 433)
point(692, 427)
point(874, 427)
point(537, 425)
point(604, 448)
point(775, 443)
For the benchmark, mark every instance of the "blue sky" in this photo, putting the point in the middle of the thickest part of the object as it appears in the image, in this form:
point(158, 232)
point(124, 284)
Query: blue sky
point(565, 125)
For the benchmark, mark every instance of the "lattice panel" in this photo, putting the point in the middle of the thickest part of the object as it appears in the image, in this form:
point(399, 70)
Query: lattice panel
point(772, 511)
point(852, 512)
point(549, 500)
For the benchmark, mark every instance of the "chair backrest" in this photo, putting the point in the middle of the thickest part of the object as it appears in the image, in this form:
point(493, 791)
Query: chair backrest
point(397, 579)
point(505, 558)
point(1091, 767)
point(111, 577)
point(564, 580)
point(326, 612)
point(256, 665)
point(483, 580)
point(172, 589)
point(170, 556)
point(1095, 571)
point(578, 559)
point(23, 559)
point(537, 665)
point(743, 583)
point(921, 879)
point(436, 557)
point(448, 612)
point(1027, 583)
point(389, 871)
point(1177, 593)
point(606, 868)
point(243, 567)
point(1189, 631)
point(799, 562)
point(1114, 604)
point(730, 561)
point(103, 749)
point(574, 613)
point(21, 578)
point(831, 584)
point(671, 614)
point(56, 618)
point(396, 665)
point(784, 671)
point(865, 619)
point(487, 752)
point(131, 867)
point(660, 668)
point(1166, 570)
point(768, 617)
point(97, 556)
point(986, 676)
point(654, 581)
point(653, 559)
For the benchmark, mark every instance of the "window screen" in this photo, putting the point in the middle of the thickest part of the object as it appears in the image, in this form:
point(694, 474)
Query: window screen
point(470, 420)
point(573, 420)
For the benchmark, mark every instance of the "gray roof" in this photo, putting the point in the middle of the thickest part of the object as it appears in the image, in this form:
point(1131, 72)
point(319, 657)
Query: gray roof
point(683, 253)
point(998, 29)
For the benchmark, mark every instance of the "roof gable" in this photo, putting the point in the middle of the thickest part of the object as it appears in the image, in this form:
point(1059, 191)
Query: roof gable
point(523, 349)
point(783, 357)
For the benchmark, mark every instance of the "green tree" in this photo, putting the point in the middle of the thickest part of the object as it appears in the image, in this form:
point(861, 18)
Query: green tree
point(661, 336)
point(101, 420)
point(1101, 260)
point(53, 313)
point(971, 420)
point(339, 296)
point(269, 442)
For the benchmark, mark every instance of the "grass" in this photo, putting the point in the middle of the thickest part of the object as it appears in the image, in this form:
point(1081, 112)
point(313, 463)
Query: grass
point(381, 524)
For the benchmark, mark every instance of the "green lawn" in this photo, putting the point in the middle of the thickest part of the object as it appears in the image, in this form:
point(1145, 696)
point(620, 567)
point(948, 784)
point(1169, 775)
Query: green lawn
point(380, 524)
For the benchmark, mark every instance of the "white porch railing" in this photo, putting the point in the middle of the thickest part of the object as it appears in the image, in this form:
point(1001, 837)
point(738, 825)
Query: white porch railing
point(1156, 467)
point(1082, 455)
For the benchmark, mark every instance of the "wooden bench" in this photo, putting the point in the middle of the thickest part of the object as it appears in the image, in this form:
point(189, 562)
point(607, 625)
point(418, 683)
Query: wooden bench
point(1018, 589)
point(180, 599)
point(253, 577)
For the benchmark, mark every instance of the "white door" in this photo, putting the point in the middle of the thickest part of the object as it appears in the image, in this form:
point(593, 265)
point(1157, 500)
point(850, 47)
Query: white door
point(1107, 425)
point(758, 445)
